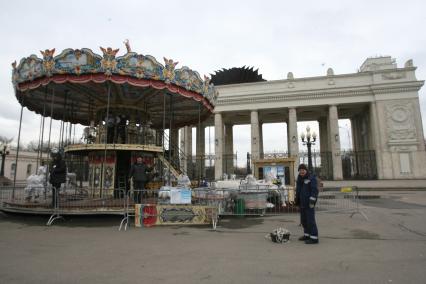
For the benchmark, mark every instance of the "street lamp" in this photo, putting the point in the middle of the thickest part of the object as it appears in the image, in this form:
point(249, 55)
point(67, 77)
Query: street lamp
point(4, 151)
point(310, 140)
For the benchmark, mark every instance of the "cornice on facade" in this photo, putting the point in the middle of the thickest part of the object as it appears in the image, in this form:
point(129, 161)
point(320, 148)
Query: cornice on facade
point(345, 88)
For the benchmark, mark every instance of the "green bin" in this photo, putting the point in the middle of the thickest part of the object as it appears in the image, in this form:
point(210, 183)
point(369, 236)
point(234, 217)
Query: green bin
point(240, 207)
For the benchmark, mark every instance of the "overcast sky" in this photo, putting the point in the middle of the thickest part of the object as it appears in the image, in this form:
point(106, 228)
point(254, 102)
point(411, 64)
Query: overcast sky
point(304, 37)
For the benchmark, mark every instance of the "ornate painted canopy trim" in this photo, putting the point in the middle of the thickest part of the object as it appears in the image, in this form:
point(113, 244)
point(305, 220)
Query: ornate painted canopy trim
point(80, 65)
point(117, 79)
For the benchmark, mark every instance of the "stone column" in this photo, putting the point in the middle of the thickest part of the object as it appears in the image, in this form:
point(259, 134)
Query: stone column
point(229, 150)
point(261, 140)
point(375, 138)
point(200, 150)
point(325, 151)
point(359, 132)
point(334, 139)
point(419, 157)
point(323, 135)
point(354, 133)
point(255, 139)
point(293, 138)
point(218, 146)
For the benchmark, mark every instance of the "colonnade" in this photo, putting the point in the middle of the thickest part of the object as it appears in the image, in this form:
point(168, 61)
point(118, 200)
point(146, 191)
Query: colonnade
point(365, 131)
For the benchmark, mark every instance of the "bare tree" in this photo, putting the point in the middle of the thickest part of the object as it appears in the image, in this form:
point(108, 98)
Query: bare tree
point(33, 146)
point(5, 140)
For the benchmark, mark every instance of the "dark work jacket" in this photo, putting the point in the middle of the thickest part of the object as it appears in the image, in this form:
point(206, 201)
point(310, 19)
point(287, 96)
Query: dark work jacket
point(138, 172)
point(58, 172)
point(306, 189)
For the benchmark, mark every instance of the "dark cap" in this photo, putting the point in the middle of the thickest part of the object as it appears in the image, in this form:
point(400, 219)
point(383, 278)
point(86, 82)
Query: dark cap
point(302, 166)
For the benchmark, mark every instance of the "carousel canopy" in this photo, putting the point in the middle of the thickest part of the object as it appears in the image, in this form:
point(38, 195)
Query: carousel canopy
point(78, 84)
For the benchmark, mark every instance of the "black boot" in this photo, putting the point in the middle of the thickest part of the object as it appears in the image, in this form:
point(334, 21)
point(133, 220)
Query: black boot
point(311, 241)
point(304, 238)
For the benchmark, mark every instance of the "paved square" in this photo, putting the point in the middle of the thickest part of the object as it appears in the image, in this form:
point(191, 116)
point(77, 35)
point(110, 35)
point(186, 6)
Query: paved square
point(388, 248)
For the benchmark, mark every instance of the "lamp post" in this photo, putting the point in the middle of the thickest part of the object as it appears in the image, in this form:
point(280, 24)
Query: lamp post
point(4, 151)
point(310, 140)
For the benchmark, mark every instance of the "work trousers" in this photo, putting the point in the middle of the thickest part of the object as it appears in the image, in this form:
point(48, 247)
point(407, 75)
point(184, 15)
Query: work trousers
point(307, 219)
point(55, 191)
point(138, 186)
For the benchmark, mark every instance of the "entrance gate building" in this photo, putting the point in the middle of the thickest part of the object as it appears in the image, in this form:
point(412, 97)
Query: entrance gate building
point(381, 100)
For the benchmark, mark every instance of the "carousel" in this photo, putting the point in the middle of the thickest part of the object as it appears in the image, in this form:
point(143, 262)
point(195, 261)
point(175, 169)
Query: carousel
point(128, 106)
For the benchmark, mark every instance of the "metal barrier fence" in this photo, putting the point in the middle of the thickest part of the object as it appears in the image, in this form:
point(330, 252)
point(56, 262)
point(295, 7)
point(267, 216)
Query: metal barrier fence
point(345, 199)
point(177, 206)
point(68, 202)
point(242, 201)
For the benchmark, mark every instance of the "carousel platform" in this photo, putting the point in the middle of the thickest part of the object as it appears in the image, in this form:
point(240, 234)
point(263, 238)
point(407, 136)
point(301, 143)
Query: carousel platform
point(69, 207)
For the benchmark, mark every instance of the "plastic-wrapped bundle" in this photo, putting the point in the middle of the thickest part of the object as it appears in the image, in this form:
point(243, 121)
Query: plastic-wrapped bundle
point(35, 185)
point(183, 181)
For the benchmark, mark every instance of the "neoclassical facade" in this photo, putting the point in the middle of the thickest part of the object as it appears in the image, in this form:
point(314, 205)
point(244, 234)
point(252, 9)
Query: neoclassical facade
point(381, 100)
point(27, 165)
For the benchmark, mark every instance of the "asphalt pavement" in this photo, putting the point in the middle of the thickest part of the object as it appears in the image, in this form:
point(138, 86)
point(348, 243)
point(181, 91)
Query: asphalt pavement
point(389, 247)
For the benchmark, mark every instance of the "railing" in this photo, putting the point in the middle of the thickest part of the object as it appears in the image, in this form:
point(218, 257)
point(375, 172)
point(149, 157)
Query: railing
point(322, 163)
point(202, 167)
point(39, 200)
point(359, 165)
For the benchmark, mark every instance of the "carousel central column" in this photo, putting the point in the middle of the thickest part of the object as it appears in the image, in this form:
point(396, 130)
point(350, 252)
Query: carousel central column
point(187, 149)
point(200, 150)
point(255, 136)
point(218, 146)
point(174, 144)
point(334, 139)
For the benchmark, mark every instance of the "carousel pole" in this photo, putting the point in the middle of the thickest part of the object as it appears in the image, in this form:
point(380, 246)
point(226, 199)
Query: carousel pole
point(66, 124)
point(71, 125)
point(210, 154)
point(48, 141)
point(164, 129)
point(51, 117)
point(17, 150)
point(63, 119)
point(61, 132)
point(69, 131)
point(106, 136)
point(42, 133)
point(199, 142)
point(170, 134)
point(38, 145)
point(81, 171)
